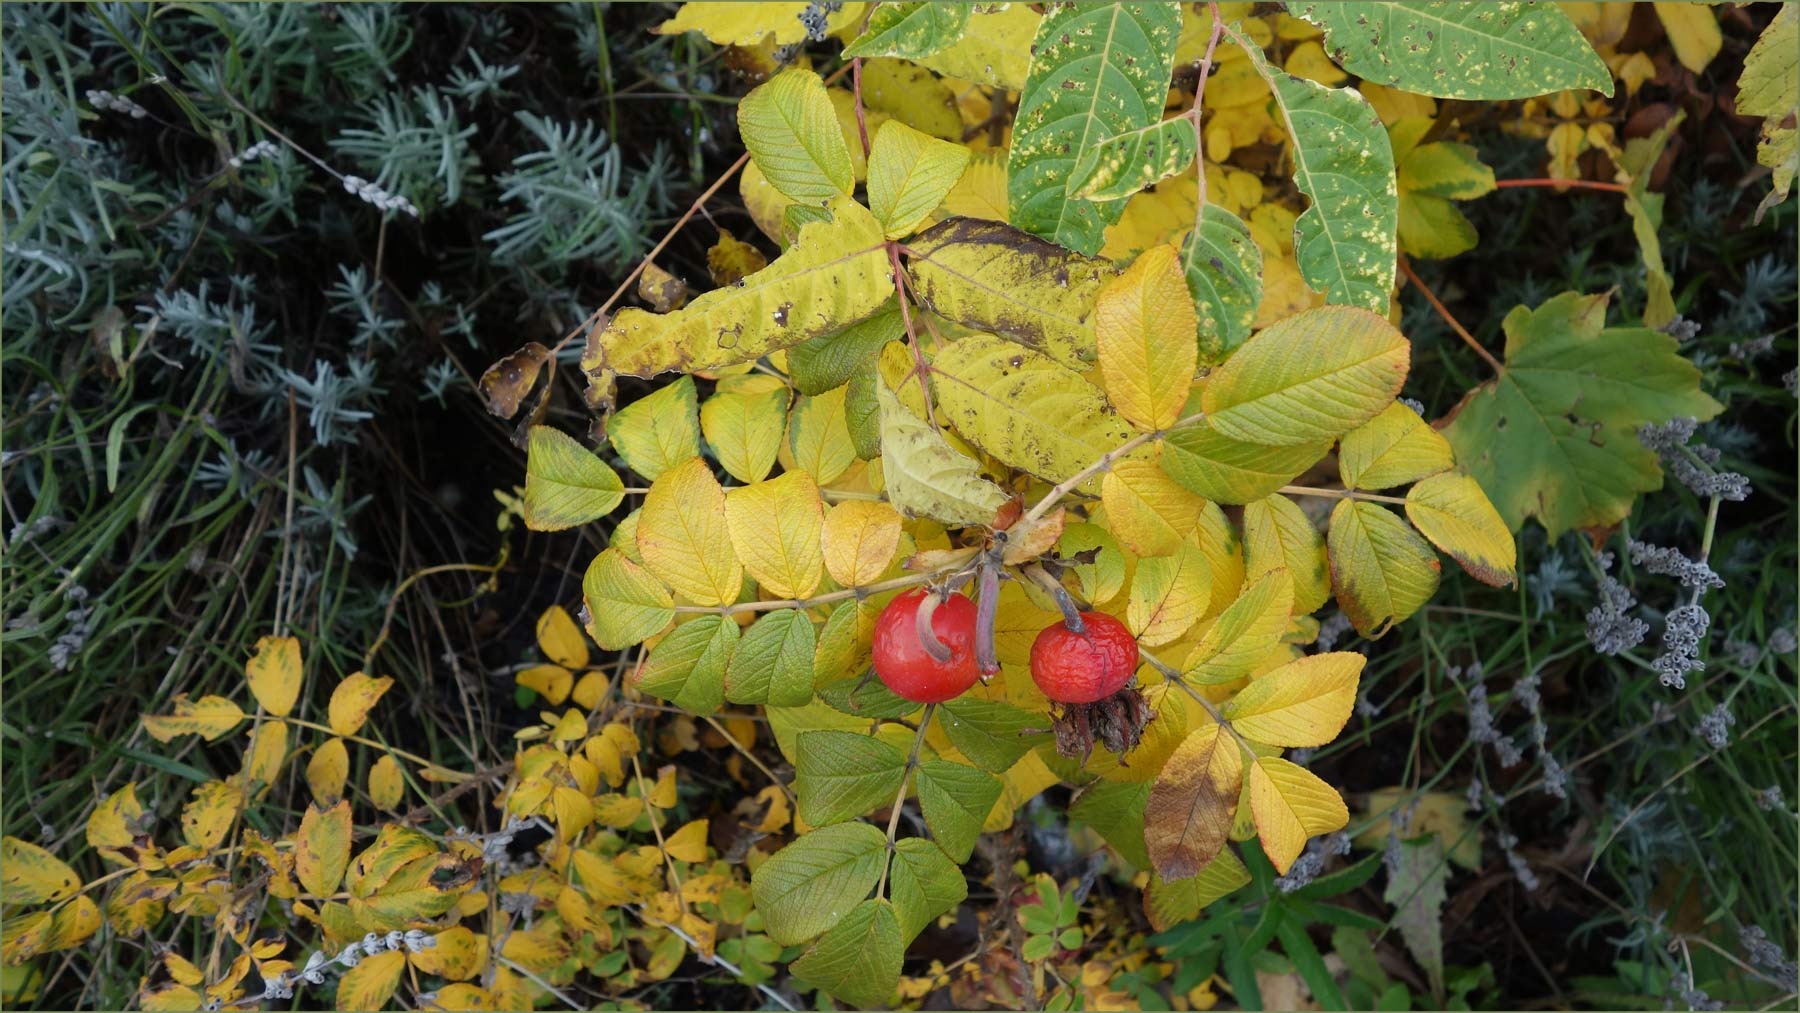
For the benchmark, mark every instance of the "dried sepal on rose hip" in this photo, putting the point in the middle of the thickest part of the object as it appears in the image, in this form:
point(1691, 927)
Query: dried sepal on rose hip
point(1084, 665)
point(924, 648)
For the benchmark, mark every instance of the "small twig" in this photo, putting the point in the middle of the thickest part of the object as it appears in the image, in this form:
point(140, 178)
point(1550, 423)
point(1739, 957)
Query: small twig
point(1461, 332)
point(892, 584)
point(920, 369)
point(1580, 184)
point(1307, 490)
point(1103, 463)
point(893, 827)
point(1218, 32)
point(394, 599)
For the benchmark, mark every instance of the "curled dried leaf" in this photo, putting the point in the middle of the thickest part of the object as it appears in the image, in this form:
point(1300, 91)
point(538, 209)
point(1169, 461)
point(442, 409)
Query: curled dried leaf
point(505, 384)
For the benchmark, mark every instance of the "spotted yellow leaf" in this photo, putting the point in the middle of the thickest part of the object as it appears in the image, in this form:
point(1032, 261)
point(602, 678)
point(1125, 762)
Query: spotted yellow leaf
point(352, 700)
point(31, 875)
point(322, 848)
point(209, 717)
point(275, 674)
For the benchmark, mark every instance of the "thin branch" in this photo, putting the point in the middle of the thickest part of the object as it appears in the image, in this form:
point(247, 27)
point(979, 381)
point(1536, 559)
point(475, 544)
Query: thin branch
point(878, 587)
point(1431, 297)
point(1307, 490)
point(1103, 463)
point(893, 827)
point(1206, 62)
point(1580, 184)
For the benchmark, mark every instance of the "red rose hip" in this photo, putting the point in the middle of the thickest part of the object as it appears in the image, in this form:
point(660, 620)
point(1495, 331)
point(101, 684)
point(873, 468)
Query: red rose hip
point(1082, 668)
point(905, 665)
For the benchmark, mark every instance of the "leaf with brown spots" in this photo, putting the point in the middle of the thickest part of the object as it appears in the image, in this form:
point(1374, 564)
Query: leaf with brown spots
point(505, 384)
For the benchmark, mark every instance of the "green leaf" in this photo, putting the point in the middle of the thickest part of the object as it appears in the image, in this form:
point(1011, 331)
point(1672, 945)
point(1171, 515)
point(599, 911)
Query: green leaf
point(1460, 50)
point(1097, 71)
point(1223, 265)
point(862, 411)
point(1168, 904)
point(792, 133)
point(1123, 164)
point(1770, 87)
point(910, 30)
point(773, 663)
point(866, 699)
point(991, 734)
point(565, 484)
point(808, 886)
point(925, 476)
point(1345, 240)
point(1224, 470)
point(1381, 570)
point(626, 603)
point(923, 884)
point(910, 174)
point(1309, 377)
point(822, 363)
point(1415, 887)
point(858, 961)
point(687, 667)
point(841, 775)
point(989, 276)
point(956, 801)
point(1024, 408)
point(1554, 436)
point(1393, 448)
point(995, 48)
point(658, 431)
point(1115, 809)
point(1430, 176)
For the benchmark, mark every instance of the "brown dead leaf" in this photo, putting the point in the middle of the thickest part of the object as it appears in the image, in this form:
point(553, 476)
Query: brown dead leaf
point(506, 382)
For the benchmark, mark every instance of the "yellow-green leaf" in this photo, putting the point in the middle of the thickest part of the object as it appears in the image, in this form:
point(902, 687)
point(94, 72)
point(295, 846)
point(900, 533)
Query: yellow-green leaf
point(742, 24)
point(995, 48)
point(1770, 87)
point(1169, 903)
point(209, 717)
point(684, 538)
point(1452, 511)
point(31, 875)
point(1291, 804)
point(386, 783)
point(1169, 594)
point(1225, 470)
point(626, 603)
point(687, 667)
point(352, 700)
point(658, 431)
point(1303, 703)
point(743, 426)
point(322, 848)
point(370, 984)
point(1312, 376)
point(208, 816)
point(1188, 815)
point(776, 528)
point(859, 540)
point(836, 273)
point(1144, 327)
point(858, 960)
point(1381, 570)
point(792, 133)
point(1244, 633)
point(1024, 408)
point(910, 174)
point(925, 476)
point(989, 276)
point(1279, 536)
point(565, 484)
point(1148, 511)
point(327, 771)
point(275, 674)
point(1393, 448)
point(819, 436)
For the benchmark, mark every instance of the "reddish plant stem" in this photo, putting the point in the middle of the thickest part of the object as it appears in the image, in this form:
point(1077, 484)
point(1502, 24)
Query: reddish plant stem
point(920, 369)
point(1206, 62)
point(862, 123)
point(1431, 297)
point(1580, 184)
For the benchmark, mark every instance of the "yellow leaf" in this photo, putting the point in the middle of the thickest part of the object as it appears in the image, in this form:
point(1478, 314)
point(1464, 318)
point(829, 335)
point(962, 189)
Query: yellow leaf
point(1021, 782)
point(819, 436)
point(1279, 535)
point(138, 903)
point(687, 844)
point(561, 639)
point(1693, 31)
point(589, 689)
point(743, 426)
point(72, 924)
point(552, 682)
point(792, 134)
point(386, 783)
point(739, 24)
point(662, 794)
point(463, 996)
point(208, 816)
point(1290, 804)
point(572, 811)
point(1308, 60)
point(352, 700)
point(618, 811)
point(327, 771)
point(268, 750)
point(457, 955)
point(31, 875)
point(275, 674)
point(626, 603)
point(1452, 510)
point(370, 984)
point(208, 717)
point(1188, 814)
point(322, 848)
point(1393, 448)
point(981, 191)
point(684, 538)
point(1149, 512)
point(731, 259)
point(910, 174)
point(571, 725)
point(116, 824)
point(658, 431)
point(1381, 570)
point(1313, 376)
point(1224, 557)
point(1303, 703)
point(859, 540)
point(1244, 633)
point(1144, 328)
point(776, 527)
point(995, 48)
point(1392, 104)
point(1169, 594)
